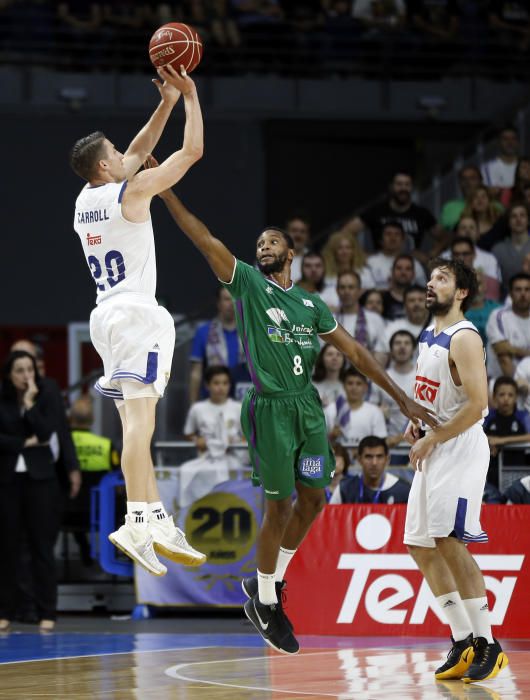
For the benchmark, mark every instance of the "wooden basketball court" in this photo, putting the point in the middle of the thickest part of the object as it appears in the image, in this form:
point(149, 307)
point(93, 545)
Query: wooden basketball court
point(239, 667)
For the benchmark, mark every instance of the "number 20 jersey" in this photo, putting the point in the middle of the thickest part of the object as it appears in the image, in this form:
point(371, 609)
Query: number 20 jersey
point(119, 253)
point(435, 387)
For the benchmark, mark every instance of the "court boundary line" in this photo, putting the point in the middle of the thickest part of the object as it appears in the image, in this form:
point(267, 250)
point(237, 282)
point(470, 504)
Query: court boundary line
point(110, 653)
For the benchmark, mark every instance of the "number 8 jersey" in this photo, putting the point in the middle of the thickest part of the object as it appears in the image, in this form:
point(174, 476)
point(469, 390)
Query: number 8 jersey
point(119, 253)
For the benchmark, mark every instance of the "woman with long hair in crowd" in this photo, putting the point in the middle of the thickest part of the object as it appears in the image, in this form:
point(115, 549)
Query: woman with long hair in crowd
point(342, 253)
point(327, 375)
point(483, 209)
point(29, 487)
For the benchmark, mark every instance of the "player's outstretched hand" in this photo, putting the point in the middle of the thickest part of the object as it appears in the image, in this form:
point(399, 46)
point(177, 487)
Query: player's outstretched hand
point(179, 80)
point(168, 92)
point(416, 412)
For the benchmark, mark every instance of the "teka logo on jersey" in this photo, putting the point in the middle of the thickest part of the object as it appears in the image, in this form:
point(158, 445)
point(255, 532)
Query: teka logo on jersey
point(372, 533)
point(425, 389)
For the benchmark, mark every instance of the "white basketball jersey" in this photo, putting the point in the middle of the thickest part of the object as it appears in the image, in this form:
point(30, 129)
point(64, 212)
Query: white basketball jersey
point(435, 388)
point(119, 253)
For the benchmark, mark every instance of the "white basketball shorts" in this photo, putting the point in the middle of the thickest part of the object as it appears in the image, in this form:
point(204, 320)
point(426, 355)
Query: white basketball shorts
point(135, 338)
point(446, 496)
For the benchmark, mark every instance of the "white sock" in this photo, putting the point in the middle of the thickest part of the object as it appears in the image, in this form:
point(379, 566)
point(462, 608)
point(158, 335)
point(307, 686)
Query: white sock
point(284, 557)
point(137, 512)
point(479, 614)
point(454, 610)
point(157, 511)
point(267, 589)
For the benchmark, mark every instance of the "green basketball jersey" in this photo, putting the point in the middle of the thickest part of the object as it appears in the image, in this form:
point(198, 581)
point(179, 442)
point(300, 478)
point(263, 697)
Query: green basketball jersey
point(278, 328)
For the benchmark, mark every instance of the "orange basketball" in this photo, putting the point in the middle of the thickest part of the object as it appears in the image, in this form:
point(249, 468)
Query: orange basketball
point(175, 44)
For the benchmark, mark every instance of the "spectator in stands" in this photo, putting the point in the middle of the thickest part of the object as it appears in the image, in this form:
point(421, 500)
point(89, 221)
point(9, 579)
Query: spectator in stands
point(522, 377)
point(402, 369)
point(510, 19)
point(217, 343)
point(306, 20)
point(437, 21)
point(499, 173)
point(374, 484)
point(518, 493)
point(482, 208)
point(213, 425)
point(214, 16)
point(401, 278)
point(508, 330)
point(469, 178)
point(342, 253)
point(373, 300)
point(492, 495)
point(417, 221)
point(80, 26)
point(342, 465)
point(313, 277)
point(416, 315)
point(30, 490)
point(521, 183)
point(298, 227)
point(97, 456)
point(380, 18)
point(505, 425)
point(327, 375)
point(481, 308)
point(349, 420)
point(392, 244)
point(512, 250)
point(463, 248)
point(365, 326)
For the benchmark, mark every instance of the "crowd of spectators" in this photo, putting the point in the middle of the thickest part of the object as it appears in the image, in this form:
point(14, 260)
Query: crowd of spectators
point(274, 31)
point(372, 274)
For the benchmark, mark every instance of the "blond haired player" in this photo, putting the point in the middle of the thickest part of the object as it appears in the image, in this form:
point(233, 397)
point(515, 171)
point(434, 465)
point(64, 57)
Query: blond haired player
point(443, 511)
point(133, 335)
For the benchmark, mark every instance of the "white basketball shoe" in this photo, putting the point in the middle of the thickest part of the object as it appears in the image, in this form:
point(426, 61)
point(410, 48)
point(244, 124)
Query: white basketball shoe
point(170, 542)
point(137, 543)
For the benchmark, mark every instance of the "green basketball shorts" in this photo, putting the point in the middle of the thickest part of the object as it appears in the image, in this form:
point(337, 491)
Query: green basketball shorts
point(287, 441)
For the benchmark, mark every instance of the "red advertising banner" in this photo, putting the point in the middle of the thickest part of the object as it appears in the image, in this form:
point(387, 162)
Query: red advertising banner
point(353, 576)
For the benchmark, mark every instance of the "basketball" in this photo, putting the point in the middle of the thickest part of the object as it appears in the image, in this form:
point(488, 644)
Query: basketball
point(175, 44)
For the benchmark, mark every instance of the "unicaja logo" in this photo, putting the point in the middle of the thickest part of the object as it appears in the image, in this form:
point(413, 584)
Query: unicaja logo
point(277, 316)
point(405, 604)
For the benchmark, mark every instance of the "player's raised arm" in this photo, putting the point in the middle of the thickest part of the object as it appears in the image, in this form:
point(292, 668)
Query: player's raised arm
point(365, 363)
point(150, 182)
point(146, 139)
point(220, 259)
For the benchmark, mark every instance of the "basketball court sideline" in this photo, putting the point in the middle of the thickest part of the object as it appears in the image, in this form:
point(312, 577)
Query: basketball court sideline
point(150, 659)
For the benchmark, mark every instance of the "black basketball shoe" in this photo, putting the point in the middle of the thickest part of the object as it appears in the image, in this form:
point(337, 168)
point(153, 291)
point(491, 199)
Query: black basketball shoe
point(272, 624)
point(489, 660)
point(250, 589)
point(458, 661)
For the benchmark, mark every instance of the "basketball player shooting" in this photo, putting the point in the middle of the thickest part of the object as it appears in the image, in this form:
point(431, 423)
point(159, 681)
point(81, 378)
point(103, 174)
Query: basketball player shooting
point(282, 418)
point(443, 511)
point(134, 336)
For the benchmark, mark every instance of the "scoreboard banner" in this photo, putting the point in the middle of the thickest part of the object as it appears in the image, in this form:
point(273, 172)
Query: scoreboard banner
point(353, 576)
point(224, 525)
